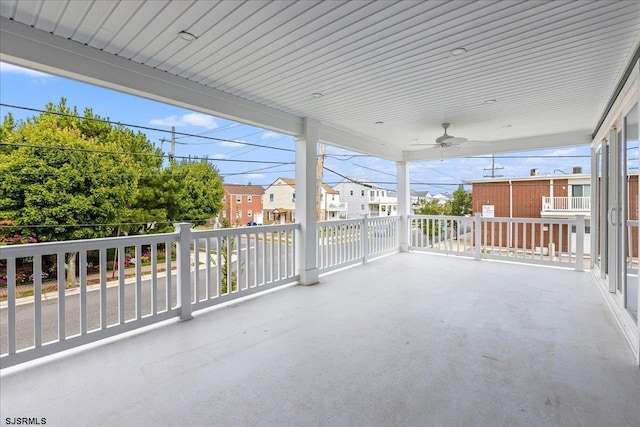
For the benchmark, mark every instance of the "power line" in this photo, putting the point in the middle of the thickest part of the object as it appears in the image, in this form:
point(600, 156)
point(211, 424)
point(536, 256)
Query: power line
point(183, 134)
point(129, 153)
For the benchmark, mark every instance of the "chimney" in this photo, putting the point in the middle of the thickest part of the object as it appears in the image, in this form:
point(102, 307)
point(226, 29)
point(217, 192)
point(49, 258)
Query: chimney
point(535, 172)
point(577, 169)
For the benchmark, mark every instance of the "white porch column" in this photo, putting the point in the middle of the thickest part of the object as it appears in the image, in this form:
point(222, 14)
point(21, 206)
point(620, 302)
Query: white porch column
point(404, 204)
point(306, 158)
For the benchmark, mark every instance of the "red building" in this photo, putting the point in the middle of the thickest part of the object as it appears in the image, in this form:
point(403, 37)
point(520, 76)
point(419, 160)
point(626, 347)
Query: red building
point(242, 204)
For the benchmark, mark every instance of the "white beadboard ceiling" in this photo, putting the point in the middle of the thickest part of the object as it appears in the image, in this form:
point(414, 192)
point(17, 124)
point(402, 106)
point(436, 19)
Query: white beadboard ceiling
point(550, 66)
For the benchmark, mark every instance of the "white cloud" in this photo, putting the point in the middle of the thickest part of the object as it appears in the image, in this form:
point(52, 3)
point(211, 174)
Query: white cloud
point(254, 176)
point(230, 144)
point(200, 120)
point(10, 68)
point(269, 134)
point(190, 119)
point(218, 156)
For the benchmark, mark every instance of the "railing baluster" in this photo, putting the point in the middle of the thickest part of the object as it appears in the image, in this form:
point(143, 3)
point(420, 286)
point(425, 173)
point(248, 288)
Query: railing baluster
point(121, 278)
point(103, 288)
point(196, 270)
point(83, 292)
point(219, 260)
point(37, 300)
point(168, 277)
point(11, 305)
point(61, 296)
point(154, 278)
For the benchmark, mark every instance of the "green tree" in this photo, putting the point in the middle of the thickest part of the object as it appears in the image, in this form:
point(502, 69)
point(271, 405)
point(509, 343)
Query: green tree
point(191, 191)
point(461, 203)
point(55, 178)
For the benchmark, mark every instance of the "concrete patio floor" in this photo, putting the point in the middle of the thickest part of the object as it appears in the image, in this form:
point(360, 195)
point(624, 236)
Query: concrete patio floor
point(410, 339)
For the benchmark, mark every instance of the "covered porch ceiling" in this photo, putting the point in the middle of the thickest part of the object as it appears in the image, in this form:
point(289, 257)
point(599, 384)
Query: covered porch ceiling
point(532, 75)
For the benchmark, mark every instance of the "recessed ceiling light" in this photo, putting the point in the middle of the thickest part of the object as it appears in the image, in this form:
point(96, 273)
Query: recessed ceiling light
point(457, 51)
point(185, 35)
point(505, 126)
point(490, 101)
point(317, 95)
point(379, 123)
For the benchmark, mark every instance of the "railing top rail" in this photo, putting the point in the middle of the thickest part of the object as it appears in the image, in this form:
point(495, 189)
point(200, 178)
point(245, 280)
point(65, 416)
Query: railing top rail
point(49, 248)
point(559, 221)
point(244, 230)
point(340, 222)
point(449, 217)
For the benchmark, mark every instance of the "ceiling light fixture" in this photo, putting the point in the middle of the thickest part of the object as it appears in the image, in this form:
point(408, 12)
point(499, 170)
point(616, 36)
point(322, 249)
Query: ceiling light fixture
point(490, 101)
point(379, 123)
point(317, 95)
point(185, 35)
point(457, 51)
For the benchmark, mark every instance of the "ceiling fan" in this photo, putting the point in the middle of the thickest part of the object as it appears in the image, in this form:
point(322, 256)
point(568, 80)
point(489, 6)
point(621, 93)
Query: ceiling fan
point(446, 140)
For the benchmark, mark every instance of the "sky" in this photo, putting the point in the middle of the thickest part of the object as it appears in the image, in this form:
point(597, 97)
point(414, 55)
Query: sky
point(242, 164)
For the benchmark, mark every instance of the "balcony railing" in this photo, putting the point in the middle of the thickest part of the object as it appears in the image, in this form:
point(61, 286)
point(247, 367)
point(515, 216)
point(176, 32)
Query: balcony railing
point(528, 240)
point(344, 243)
point(126, 283)
point(580, 204)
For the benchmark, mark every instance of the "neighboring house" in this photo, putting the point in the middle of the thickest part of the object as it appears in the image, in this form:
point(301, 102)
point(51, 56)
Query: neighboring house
point(242, 204)
point(279, 202)
point(363, 197)
point(535, 196)
point(552, 196)
point(442, 198)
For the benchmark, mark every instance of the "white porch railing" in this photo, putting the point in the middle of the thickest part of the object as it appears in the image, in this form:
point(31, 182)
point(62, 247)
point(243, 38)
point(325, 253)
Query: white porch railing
point(529, 240)
point(348, 242)
point(566, 204)
point(125, 283)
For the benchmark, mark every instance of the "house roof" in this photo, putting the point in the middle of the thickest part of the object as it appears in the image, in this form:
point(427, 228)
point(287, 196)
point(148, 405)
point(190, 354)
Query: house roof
point(292, 183)
point(529, 178)
point(243, 189)
point(377, 77)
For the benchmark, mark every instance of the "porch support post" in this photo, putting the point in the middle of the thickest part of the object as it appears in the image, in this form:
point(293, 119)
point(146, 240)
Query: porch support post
point(404, 204)
point(306, 158)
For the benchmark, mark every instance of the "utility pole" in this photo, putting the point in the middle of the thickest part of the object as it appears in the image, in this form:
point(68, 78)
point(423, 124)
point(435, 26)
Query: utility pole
point(493, 168)
point(319, 170)
point(172, 155)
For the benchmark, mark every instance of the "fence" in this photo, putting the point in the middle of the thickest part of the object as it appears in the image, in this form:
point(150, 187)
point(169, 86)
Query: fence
point(349, 242)
point(528, 240)
point(125, 283)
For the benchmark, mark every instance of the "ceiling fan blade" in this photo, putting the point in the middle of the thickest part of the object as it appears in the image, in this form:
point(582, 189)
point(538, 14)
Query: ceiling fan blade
point(454, 140)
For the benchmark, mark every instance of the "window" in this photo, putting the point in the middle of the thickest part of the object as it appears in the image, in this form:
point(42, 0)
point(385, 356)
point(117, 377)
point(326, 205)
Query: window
point(249, 212)
point(351, 193)
point(270, 215)
point(581, 190)
point(362, 193)
point(333, 197)
point(293, 216)
point(238, 199)
point(293, 197)
point(224, 199)
point(271, 198)
point(224, 213)
point(362, 207)
point(249, 199)
point(238, 213)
